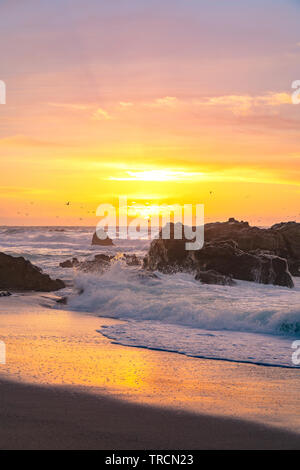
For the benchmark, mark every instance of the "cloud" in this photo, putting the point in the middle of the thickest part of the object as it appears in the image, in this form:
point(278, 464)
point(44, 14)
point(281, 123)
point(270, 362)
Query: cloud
point(157, 175)
point(101, 114)
point(72, 106)
point(245, 104)
point(125, 104)
point(166, 101)
point(25, 141)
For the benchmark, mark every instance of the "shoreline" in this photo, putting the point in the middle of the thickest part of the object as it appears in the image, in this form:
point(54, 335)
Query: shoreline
point(47, 347)
point(39, 417)
point(205, 358)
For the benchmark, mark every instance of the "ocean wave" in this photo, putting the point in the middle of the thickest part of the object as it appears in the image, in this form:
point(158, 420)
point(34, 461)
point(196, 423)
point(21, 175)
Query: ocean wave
point(259, 349)
point(124, 293)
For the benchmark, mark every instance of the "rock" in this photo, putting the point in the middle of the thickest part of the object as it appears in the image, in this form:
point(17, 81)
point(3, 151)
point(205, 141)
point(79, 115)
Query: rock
point(98, 241)
point(5, 293)
point(69, 263)
point(290, 233)
point(281, 239)
point(18, 273)
point(223, 257)
point(62, 300)
point(168, 255)
point(213, 277)
point(102, 257)
point(132, 260)
point(100, 262)
point(227, 259)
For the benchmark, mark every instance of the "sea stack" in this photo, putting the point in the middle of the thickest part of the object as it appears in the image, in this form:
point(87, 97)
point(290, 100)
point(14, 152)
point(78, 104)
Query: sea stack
point(96, 240)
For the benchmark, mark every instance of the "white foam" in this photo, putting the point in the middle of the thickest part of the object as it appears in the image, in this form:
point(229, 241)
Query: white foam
point(259, 349)
point(179, 299)
point(170, 312)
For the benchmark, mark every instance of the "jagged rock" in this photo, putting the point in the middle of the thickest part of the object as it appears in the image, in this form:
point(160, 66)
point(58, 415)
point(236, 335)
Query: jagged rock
point(132, 260)
point(97, 264)
point(290, 233)
point(224, 257)
point(282, 239)
point(101, 257)
point(18, 273)
point(69, 263)
point(213, 277)
point(103, 242)
point(227, 259)
point(94, 265)
point(100, 262)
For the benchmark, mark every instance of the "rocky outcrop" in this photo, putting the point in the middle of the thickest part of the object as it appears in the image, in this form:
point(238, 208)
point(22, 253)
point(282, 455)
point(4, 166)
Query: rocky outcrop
point(102, 242)
point(20, 274)
point(223, 257)
point(289, 232)
point(132, 260)
point(227, 259)
point(100, 262)
point(69, 263)
point(213, 277)
point(281, 239)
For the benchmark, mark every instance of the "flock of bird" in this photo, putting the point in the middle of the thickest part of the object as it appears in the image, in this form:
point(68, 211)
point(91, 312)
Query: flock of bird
point(68, 203)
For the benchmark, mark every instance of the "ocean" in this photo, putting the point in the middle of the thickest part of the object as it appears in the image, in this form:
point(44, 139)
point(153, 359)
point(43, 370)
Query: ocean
point(247, 322)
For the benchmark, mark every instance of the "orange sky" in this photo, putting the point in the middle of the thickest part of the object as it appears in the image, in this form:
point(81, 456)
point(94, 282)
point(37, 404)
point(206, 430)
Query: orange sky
point(188, 106)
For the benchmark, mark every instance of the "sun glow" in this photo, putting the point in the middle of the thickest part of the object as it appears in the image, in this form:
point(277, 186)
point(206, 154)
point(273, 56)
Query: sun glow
point(152, 210)
point(158, 175)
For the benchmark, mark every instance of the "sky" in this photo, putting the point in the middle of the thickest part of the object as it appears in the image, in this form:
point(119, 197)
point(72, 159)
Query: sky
point(173, 102)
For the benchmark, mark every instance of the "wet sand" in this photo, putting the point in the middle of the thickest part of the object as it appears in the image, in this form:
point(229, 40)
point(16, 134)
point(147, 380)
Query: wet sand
point(108, 390)
point(33, 417)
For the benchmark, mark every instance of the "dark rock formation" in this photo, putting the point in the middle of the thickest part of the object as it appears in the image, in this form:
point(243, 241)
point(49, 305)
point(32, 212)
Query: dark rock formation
point(289, 232)
point(227, 259)
point(19, 273)
point(132, 260)
point(213, 277)
point(223, 256)
point(100, 262)
point(98, 241)
point(282, 239)
point(103, 258)
point(69, 263)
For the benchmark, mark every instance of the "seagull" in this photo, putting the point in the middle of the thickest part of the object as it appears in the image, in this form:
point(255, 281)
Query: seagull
point(68, 203)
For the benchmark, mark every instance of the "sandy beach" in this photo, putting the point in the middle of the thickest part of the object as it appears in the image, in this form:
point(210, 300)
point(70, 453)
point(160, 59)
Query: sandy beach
point(149, 225)
point(64, 385)
point(35, 417)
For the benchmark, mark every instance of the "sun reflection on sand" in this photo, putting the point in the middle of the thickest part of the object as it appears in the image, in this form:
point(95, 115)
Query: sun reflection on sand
point(57, 347)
